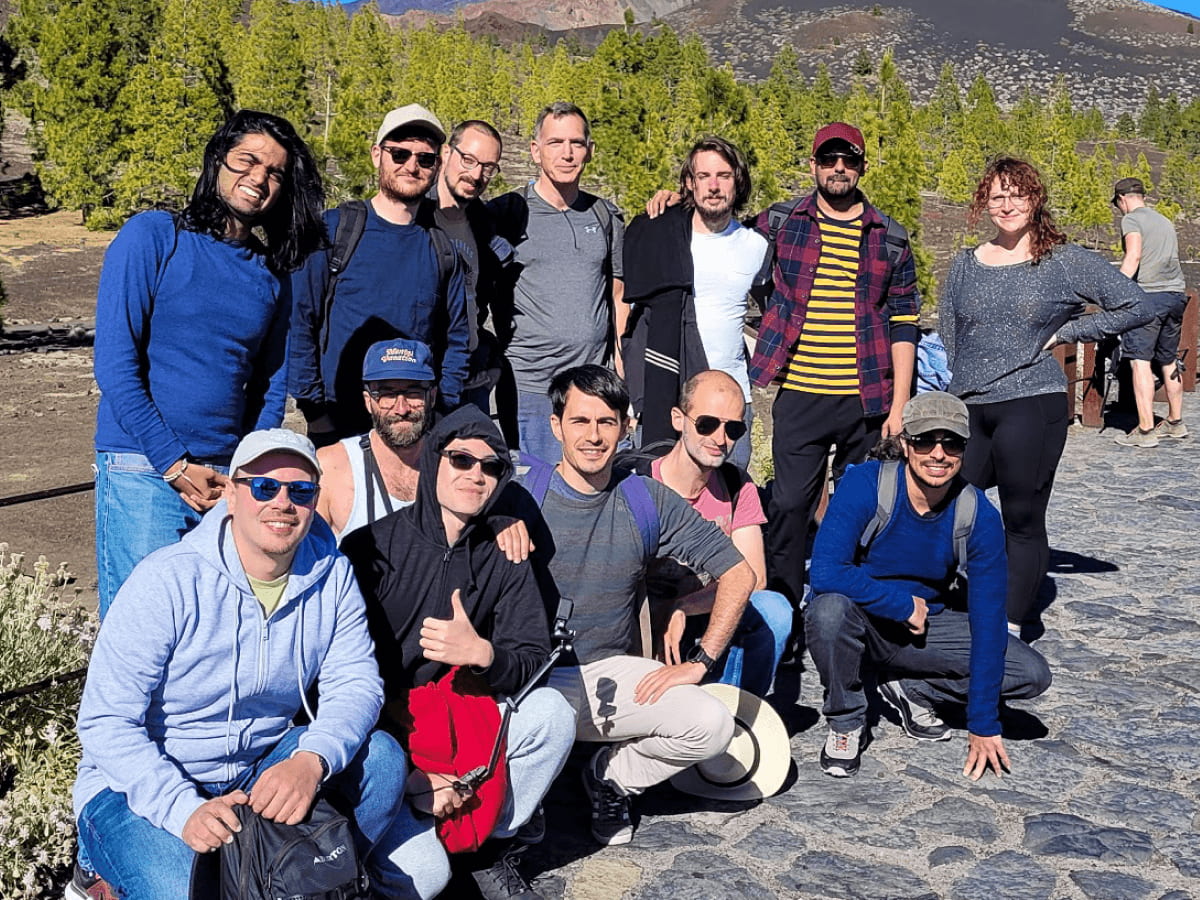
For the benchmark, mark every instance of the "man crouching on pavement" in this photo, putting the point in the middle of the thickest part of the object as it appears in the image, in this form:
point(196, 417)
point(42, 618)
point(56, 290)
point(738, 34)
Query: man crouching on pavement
point(886, 599)
point(441, 593)
point(196, 677)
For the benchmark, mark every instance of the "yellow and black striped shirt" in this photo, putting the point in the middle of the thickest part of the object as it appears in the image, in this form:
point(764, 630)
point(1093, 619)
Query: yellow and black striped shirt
point(825, 361)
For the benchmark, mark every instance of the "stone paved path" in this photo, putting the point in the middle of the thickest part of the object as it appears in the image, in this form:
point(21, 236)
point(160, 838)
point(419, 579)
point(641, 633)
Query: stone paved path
point(1102, 802)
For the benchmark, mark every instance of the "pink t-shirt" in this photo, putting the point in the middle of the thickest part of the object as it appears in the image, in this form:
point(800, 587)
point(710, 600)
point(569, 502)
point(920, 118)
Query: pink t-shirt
point(713, 503)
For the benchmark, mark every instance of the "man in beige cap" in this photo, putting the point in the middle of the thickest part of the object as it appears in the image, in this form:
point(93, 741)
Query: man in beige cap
point(390, 272)
point(888, 573)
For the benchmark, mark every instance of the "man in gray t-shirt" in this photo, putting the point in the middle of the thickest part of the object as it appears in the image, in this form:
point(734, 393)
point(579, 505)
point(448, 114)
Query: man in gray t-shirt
point(1152, 260)
point(558, 309)
point(653, 718)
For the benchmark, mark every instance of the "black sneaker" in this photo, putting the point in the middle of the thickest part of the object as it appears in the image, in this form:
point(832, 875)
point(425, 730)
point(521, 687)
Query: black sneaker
point(612, 822)
point(842, 753)
point(533, 831)
point(502, 880)
point(88, 886)
point(918, 721)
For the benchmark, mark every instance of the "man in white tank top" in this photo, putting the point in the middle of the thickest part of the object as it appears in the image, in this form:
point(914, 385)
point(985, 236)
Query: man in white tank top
point(367, 476)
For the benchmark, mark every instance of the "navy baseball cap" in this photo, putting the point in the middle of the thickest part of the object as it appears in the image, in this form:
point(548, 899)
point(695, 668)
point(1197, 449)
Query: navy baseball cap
point(408, 360)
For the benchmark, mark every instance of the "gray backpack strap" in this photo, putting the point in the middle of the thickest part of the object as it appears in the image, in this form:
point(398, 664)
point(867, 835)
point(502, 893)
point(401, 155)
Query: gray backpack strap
point(965, 508)
point(885, 502)
point(895, 236)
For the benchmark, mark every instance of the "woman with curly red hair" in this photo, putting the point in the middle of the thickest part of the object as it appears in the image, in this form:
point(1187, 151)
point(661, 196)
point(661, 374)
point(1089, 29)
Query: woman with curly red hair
point(1005, 304)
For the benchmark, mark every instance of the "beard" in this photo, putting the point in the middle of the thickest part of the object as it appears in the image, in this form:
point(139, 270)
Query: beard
point(401, 438)
point(713, 216)
point(400, 192)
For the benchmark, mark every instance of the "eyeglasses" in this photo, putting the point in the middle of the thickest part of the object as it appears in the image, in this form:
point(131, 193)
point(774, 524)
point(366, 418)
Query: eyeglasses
point(389, 397)
point(469, 162)
point(400, 156)
point(924, 443)
point(1019, 201)
point(262, 489)
point(706, 425)
point(491, 466)
point(830, 160)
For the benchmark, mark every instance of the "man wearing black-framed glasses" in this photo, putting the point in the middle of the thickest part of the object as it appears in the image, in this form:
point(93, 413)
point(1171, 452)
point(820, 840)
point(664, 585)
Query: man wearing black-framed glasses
point(391, 271)
point(470, 160)
point(909, 573)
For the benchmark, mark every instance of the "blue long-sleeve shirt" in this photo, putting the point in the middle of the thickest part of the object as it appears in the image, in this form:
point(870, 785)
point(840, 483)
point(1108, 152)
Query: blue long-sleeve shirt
point(913, 556)
point(389, 288)
point(191, 337)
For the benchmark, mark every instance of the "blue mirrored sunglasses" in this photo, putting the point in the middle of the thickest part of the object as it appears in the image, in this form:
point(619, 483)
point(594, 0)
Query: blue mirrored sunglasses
point(262, 489)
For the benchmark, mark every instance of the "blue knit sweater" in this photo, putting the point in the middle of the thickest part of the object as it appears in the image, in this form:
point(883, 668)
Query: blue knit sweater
point(191, 339)
point(914, 556)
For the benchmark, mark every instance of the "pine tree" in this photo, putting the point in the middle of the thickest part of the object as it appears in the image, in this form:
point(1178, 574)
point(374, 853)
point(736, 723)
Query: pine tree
point(171, 104)
point(267, 68)
point(940, 124)
point(1126, 127)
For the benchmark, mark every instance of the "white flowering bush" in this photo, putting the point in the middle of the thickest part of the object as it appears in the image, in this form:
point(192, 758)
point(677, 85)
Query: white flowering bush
point(42, 634)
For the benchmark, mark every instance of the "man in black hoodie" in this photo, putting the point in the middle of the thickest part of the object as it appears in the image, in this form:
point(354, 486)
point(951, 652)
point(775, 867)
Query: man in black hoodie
point(440, 593)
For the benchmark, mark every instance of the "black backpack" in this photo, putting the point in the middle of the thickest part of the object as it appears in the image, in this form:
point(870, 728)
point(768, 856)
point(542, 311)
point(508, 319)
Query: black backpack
point(352, 222)
point(315, 860)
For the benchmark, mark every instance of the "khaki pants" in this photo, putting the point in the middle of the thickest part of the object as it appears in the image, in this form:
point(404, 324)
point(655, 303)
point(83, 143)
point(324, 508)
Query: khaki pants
point(653, 741)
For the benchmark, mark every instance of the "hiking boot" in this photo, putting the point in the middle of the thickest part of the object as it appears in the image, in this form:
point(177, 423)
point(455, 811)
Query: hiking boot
point(919, 721)
point(612, 822)
point(1138, 438)
point(502, 880)
point(533, 831)
point(88, 886)
point(1167, 428)
point(842, 752)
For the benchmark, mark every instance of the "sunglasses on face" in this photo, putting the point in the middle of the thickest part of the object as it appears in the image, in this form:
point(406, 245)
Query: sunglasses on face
point(491, 466)
point(830, 160)
point(706, 425)
point(400, 156)
point(262, 489)
point(951, 443)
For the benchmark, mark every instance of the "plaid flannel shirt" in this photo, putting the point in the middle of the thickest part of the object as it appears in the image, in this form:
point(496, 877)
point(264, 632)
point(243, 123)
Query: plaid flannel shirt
point(883, 292)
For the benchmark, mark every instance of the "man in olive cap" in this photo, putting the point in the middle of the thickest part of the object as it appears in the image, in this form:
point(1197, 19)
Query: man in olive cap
point(890, 574)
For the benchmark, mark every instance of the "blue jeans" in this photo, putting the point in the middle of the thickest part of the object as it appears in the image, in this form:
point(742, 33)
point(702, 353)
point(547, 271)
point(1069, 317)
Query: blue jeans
point(136, 513)
point(758, 644)
point(533, 427)
point(144, 862)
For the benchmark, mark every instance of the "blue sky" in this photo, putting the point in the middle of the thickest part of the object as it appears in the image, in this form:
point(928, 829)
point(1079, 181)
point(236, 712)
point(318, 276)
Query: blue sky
point(1187, 6)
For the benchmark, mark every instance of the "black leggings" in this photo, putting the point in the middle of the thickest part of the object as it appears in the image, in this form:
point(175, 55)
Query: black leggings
point(1015, 446)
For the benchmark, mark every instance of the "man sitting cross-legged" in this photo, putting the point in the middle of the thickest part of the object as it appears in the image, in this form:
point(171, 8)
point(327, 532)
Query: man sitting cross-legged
point(889, 603)
point(709, 419)
point(441, 593)
point(601, 531)
point(197, 675)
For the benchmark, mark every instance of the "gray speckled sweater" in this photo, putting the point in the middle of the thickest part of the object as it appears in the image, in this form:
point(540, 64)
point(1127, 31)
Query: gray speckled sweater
point(995, 320)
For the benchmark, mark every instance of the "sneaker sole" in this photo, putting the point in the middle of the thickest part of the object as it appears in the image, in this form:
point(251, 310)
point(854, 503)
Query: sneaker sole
point(906, 721)
point(621, 837)
point(839, 768)
point(1137, 445)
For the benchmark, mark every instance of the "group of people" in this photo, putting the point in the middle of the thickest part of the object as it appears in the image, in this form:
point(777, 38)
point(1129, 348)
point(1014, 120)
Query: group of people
point(518, 407)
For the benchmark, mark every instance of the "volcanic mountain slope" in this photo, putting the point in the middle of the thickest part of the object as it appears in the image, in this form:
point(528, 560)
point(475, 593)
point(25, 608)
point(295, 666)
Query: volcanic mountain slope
point(1108, 51)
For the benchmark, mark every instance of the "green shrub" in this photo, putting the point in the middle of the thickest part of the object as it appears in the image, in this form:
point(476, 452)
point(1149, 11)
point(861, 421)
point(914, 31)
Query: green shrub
point(762, 464)
point(42, 634)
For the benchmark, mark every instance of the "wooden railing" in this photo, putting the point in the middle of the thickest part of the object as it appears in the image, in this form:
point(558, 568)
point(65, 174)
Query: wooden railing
point(1091, 372)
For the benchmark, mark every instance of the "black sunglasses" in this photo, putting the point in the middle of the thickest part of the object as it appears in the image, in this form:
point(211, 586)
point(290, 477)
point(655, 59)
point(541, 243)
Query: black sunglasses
point(491, 466)
point(400, 156)
point(262, 489)
point(951, 443)
point(829, 160)
point(706, 425)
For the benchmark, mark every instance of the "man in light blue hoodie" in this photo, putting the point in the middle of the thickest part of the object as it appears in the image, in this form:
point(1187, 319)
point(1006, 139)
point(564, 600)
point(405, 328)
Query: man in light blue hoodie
point(198, 673)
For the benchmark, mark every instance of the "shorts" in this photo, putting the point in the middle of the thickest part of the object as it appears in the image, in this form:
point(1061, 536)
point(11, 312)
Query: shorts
point(1158, 340)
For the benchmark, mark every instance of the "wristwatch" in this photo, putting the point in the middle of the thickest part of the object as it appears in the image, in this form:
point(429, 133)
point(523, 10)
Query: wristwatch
point(699, 656)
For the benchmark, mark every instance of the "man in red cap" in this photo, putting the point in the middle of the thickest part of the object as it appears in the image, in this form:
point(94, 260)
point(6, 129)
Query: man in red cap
point(838, 334)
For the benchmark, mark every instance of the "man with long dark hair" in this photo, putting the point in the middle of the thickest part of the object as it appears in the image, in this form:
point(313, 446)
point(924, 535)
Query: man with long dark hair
point(191, 325)
point(689, 272)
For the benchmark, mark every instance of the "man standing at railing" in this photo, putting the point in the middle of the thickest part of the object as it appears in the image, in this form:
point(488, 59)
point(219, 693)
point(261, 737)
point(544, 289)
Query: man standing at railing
point(1152, 260)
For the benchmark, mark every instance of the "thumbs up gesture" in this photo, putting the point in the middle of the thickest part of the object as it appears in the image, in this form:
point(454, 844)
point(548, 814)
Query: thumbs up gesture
point(455, 641)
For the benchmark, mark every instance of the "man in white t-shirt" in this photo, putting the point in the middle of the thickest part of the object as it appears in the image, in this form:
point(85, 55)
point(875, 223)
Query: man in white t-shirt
point(687, 276)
